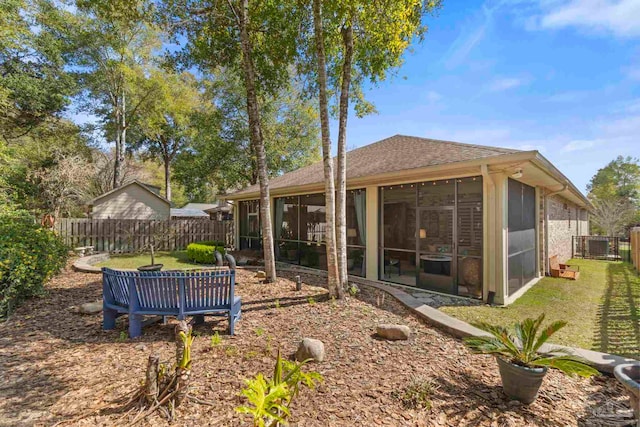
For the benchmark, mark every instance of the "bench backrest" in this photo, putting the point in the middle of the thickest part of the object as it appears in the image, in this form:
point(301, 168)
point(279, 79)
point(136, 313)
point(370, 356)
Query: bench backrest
point(553, 263)
point(165, 290)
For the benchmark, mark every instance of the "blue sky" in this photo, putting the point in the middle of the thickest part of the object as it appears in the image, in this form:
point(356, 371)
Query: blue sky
point(558, 76)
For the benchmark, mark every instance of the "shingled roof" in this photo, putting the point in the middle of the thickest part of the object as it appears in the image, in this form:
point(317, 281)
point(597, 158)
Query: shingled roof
point(393, 154)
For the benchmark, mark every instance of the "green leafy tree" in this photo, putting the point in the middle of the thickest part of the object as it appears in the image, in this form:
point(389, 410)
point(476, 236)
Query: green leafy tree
point(110, 44)
point(361, 41)
point(34, 85)
point(221, 156)
point(167, 126)
point(619, 178)
point(256, 40)
point(615, 193)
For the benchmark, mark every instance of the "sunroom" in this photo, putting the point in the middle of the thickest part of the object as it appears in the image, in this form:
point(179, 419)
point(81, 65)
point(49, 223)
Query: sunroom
point(457, 219)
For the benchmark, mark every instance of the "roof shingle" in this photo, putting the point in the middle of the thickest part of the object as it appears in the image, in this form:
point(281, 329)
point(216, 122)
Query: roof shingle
point(393, 154)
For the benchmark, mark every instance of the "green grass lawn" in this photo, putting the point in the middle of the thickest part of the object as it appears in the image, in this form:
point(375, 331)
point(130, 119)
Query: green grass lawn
point(171, 261)
point(602, 308)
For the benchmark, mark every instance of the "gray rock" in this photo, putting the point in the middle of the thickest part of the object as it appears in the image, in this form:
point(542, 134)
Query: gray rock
point(141, 347)
point(310, 348)
point(393, 332)
point(90, 307)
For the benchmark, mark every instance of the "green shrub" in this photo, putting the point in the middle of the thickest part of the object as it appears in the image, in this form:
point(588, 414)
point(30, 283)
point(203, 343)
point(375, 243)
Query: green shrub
point(29, 256)
point(202, 252)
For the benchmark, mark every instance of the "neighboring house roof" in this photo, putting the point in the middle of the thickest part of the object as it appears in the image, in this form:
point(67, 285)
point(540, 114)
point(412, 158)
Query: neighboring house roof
point(225, 208)
point(401, 156)
point(122, 187)
point(189, 213)
point(397, 153)
point(200, 206)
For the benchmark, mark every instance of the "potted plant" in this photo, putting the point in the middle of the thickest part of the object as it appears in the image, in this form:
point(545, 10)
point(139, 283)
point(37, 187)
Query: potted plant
point(153, 266)
point(156, 239)
point(521, 362)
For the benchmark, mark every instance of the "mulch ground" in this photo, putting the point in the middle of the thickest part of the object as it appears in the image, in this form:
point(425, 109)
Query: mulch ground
point(60, 367)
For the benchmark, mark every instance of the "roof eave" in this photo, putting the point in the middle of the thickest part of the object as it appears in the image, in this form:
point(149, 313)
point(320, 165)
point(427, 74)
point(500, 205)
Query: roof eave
point(562, 179)
point(389, 177)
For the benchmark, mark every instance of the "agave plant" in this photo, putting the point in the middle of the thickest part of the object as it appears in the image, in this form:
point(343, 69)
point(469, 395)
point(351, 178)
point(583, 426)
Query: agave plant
point(520, 344)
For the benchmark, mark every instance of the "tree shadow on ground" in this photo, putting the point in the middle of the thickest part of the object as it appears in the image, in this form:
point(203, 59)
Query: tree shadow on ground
point(618, 317)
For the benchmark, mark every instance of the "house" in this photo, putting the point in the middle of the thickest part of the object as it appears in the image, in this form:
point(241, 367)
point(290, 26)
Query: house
point(134, 200)
point(448, 217)
point(219, 211)
point(222, 211)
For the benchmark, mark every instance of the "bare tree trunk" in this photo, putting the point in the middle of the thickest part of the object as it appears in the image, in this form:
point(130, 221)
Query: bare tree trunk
point(258, 142)
point(167, 177)
point(121, 137)
point(333, 279)
point(151, 387)
point(341, 203)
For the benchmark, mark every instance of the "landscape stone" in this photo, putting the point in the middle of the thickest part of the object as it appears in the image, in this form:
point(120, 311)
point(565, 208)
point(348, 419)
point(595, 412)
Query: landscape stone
point(310, 348)
point(91, 307)
point(261, 275)
point(393, 332)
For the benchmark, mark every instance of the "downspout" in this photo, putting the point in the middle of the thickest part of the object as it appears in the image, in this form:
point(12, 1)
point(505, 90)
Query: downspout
point(491, 288)
point(546, 225)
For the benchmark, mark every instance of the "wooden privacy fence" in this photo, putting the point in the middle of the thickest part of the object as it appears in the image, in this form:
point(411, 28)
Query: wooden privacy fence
point(635, 247)
point(132, 235)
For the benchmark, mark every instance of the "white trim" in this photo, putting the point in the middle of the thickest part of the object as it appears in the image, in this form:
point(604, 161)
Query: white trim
point(511, 298)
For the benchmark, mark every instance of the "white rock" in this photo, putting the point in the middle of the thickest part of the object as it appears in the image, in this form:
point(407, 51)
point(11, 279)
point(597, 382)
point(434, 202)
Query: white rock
point(393, 332)
point(91, 307)
point(310, 348)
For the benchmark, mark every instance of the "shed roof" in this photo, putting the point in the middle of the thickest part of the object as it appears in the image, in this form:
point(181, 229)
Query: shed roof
point(146, 187)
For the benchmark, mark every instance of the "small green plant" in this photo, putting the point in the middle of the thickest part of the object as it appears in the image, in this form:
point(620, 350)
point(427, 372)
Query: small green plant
point(187, 339)
point(311, 300)
point(196, 333)
point(203, 252)
point(417, 394)
point(520, 344)
point(251, 354)
point(267, 347)
point(276, 304)
point(259, 331)
point(231, 350)
point(216, 339)
point(270, 399)
point(123, 336)
point(353, 290)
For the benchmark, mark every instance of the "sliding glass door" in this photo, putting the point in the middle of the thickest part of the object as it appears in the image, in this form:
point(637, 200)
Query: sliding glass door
point(435, 249)
point(431, 235)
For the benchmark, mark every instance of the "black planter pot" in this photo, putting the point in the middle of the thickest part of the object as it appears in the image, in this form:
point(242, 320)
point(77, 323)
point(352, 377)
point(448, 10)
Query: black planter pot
point(519, 382)
point(152, 267)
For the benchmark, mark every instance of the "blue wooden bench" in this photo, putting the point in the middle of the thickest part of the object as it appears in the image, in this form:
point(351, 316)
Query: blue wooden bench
point(168, 293)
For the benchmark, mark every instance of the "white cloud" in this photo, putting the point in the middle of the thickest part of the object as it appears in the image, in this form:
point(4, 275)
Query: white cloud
point(568, 97)
point(618, 17)
point(505, 83)
point(433, 96)
point(578, 145)
point(632, 72)
point(468, 40)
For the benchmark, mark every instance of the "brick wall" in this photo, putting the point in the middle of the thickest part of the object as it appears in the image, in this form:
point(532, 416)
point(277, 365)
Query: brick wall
point(565, 221)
